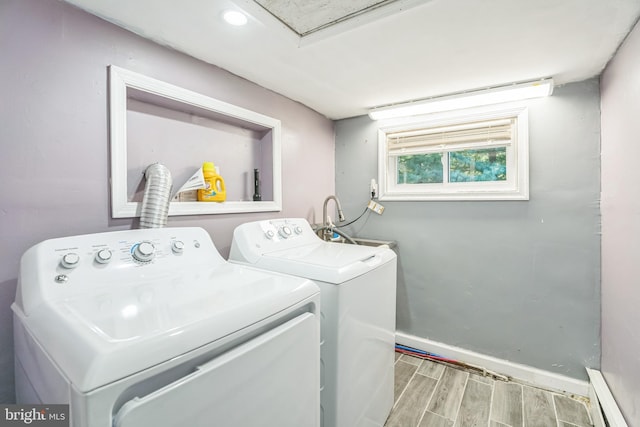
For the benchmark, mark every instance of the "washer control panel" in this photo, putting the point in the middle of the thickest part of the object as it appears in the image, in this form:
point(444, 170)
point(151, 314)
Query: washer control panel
point(253, 239)
point(281, 230)
point(276, 230)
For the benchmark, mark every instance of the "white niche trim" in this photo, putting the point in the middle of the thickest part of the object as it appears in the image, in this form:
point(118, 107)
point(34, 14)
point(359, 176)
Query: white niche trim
point(124, 84)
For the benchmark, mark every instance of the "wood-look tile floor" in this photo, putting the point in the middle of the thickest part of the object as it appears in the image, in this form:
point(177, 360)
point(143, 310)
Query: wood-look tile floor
point(429, 394)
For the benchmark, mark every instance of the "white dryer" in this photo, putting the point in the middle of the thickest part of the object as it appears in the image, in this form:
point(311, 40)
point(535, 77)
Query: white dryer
point(358, 301)
point(154, 328)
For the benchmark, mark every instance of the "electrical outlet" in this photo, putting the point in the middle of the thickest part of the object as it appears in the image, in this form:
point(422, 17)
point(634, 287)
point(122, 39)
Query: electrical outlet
point(376, 207)
point(373, 189)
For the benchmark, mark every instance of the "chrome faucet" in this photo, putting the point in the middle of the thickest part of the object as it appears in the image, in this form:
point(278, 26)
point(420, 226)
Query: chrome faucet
point(325, 219)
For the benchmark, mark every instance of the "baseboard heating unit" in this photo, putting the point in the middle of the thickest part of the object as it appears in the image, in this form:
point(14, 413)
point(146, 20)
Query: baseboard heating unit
point(603, 403)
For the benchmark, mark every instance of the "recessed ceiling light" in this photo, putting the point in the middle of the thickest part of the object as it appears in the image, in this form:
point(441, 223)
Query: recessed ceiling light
point(234, 17)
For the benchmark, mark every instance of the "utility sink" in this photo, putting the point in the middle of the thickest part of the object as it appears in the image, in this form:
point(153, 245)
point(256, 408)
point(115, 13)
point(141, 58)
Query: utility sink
point(374, 242)
point(367, 242)
point(318, 228)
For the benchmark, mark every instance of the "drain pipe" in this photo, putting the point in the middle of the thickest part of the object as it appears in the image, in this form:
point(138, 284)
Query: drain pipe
point(157, 195)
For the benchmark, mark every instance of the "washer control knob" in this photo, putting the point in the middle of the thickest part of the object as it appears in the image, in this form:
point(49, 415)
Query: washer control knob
point(103, 256)
point(269, 234)
point(284, 232)
point(144, 252)
point(177, 246)
point(298, 229)
point(70, 260)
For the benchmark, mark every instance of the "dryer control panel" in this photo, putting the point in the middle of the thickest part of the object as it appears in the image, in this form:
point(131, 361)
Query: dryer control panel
point(65, 267)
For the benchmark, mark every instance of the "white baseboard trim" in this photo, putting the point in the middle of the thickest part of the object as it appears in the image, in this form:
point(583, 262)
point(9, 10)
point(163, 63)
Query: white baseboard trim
point(523, 373)
point(602, 398)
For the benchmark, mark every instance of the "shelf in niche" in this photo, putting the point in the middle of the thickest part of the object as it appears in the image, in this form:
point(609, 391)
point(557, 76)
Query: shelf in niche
point(137, 101)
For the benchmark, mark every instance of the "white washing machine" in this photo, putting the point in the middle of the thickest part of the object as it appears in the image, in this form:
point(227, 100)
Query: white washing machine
point(154, 328)
point(358, 294)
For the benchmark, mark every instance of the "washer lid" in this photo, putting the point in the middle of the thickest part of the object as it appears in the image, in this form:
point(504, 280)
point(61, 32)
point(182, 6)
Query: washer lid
point(327, 261)
point(126, 327)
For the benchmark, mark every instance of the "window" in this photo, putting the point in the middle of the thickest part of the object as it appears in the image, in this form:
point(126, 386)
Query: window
point(481, 155)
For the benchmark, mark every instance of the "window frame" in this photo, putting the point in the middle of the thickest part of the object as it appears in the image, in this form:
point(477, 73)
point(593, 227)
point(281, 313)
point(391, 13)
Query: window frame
point(516, 187)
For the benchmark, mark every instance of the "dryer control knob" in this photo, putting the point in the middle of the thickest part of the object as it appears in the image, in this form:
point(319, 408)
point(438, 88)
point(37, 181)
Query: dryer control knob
point(284, 232)
point(103, 256)
point(298, 229)
point(269, 234)
point(70, 260)
point(177, 246)
point(144, 252)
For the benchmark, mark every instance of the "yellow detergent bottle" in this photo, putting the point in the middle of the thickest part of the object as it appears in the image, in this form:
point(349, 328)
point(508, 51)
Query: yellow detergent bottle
point(215, 191)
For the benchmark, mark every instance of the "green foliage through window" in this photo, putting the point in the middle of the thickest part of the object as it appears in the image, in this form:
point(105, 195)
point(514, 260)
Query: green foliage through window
point(478, 165)
point(420, 169)
point(464, 166)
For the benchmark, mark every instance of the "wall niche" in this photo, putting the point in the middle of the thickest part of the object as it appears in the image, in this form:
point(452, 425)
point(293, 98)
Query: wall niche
point(156, 122)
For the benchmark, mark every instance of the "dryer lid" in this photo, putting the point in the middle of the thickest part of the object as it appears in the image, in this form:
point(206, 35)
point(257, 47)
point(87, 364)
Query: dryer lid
point(98, 339)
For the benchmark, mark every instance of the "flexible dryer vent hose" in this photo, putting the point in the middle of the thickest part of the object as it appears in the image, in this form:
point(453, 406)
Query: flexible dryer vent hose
point(157, 195)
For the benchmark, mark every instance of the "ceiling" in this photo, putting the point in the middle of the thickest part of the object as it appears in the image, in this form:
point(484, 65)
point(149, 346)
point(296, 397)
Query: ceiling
point(342, 58)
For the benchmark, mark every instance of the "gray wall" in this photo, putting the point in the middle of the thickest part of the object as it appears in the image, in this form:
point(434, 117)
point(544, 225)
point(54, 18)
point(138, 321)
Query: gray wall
point(517, 280)
point(621, 227)
point(54, 145)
